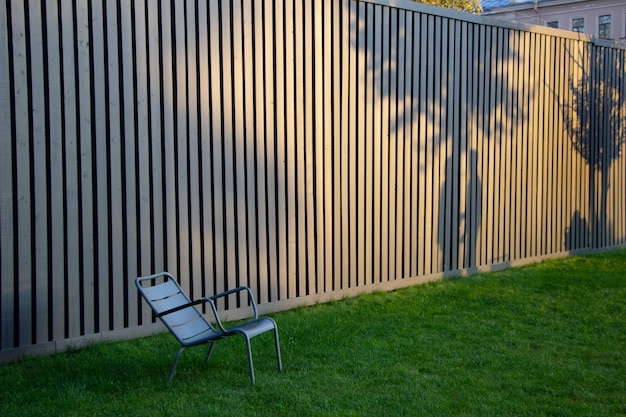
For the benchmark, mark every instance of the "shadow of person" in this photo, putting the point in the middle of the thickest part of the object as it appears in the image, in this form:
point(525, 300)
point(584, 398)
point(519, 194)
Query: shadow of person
point(576, 235)
point(459, 221)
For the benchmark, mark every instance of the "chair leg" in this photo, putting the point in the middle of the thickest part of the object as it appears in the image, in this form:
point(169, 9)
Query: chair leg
point(280, 363)
point(208, 354)
point(173, 368)
point(250, 364)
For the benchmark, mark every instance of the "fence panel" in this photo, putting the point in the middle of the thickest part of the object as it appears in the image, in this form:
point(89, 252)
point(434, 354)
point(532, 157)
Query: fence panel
point(310, 150)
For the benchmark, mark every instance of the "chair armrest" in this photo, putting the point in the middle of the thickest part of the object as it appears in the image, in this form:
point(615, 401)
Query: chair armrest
point(212, 299)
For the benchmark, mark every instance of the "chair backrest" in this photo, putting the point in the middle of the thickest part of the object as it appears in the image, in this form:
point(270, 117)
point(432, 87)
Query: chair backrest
point(188, 325)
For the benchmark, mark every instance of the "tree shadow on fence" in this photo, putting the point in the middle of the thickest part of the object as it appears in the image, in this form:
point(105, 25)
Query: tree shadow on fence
point(594, 121)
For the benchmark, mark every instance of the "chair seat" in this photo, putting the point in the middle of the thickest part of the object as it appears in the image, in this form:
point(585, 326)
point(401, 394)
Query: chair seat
point(254, 327)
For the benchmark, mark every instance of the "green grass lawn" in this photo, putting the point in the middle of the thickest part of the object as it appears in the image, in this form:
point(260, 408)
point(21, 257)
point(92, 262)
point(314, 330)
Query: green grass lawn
point(543, 340)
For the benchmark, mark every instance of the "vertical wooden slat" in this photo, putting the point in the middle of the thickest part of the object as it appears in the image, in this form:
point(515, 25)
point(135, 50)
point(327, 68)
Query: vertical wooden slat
point(543, 137)
point(8, 268)
point(395, 133)
point(99, 177)
point(250, 275)
point(193, 185)
point(455, 107)
point(70, 134)
point(353, 146)
point(154, 96)
point(180, 143)
point(511, 155)
point(215, 141)
point(621, 133)
point(400, 228)
point(326, 177)
point(84, 154)
point(336, 78)
point(280, 156)
point(547, 139)
point(57, 267)
point(114, 187)
point(538, 226)
point(608, 153)
point(342, 36)
point(575, 171)
point(272, 46)
point(142, 149)
point(568, 158)
point(601, 83)
point(442, 187)
point(299, 286)
point(462, 134)
point(417, 93)
point(558, 200)
point(612, 110)
point(207, 277)
point(523, 147)
point(615, 119)
point(260, 45)
point(532, 174)
point(128, 165)
point(481, 149)
point(579, 176)
point(386, 136)
point(361, 142)
point(38, 169)
point(453, 154)
point(438, 150)
point(429, 139)
point(376, 141)
point(368, 197)
point(472, 212)
point(290, 142)
point(587, 199)
point(406, 152)
point(522, 110)
point(491, 144)
point(610, 180)
point(505, 139)
point(239, 149)
point(317, 147)
point(517, 162)
point(309, 145)
point(604, 85)
point(565, 178)
point(169, 137)
point(423, 249)
point(532, 138)
point(227, 43)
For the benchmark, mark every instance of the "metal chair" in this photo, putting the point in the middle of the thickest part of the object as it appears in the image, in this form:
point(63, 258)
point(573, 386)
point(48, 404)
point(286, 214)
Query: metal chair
point(180, 315)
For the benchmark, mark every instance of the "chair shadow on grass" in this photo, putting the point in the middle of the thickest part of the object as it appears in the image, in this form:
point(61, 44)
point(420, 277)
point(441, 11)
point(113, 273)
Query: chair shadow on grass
point(118, 367)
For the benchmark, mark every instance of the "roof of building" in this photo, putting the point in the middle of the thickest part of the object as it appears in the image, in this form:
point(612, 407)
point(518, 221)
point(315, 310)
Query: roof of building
point(496, 4)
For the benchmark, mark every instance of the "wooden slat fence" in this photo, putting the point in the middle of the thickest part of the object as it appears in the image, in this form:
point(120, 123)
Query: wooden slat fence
point(311, 150)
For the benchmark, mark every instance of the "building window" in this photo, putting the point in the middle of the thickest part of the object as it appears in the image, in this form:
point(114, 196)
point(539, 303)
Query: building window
point(604, 27)
point(578, 25)
point(554, 24)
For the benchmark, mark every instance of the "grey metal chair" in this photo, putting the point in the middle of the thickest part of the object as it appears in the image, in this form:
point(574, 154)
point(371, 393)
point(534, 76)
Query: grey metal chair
point(180, 315)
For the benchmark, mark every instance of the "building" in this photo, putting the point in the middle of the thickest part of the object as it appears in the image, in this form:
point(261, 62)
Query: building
point(604, 19)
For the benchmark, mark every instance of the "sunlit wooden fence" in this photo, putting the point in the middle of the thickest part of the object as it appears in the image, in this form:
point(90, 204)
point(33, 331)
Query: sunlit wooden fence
point(309, 149)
